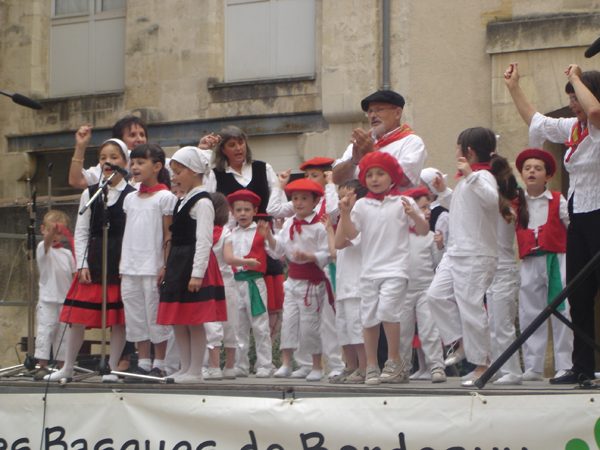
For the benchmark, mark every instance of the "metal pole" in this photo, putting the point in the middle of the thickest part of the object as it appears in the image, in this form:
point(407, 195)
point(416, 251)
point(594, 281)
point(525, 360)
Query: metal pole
point(386, 45)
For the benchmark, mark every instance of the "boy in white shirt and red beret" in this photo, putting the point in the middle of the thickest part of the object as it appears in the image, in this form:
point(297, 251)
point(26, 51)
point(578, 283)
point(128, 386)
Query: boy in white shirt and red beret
point(383, 219)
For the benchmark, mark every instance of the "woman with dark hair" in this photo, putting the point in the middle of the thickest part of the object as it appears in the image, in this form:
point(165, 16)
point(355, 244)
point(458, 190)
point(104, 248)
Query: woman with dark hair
point(582, 161)
point(235, 170)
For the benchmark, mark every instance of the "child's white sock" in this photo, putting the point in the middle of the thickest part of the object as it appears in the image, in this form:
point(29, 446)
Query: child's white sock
point(145, 364)
point(159, 364)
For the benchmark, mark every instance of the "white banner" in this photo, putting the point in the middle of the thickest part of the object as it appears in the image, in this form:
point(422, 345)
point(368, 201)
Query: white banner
point(134, 421)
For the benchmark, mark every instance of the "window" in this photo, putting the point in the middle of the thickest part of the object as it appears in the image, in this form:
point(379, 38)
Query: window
point(269, 39)
point(87, 47)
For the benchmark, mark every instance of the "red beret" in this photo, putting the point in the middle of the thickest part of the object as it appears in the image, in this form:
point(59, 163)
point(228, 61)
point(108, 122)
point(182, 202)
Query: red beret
point(265, 217)
point(416, 193)
point(383, 160)
point(305, 185)
point(537, 154)
point(319, 161)
point(245, 195)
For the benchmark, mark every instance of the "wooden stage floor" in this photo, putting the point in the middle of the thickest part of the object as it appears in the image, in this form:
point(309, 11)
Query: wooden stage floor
point(288, 388)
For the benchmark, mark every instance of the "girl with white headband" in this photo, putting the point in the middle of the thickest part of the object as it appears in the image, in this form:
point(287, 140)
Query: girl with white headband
point(192, 292)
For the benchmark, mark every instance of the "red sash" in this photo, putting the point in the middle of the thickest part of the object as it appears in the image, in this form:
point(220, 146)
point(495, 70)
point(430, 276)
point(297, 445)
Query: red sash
point(399, 133)
point(314, 275)
point(158, 187)
point(577, 135)
point(475, 168)
point(217, 232)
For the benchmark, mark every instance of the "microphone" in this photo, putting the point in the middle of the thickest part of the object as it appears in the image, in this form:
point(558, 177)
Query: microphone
point(124, 172)
point(593, 49)
point(23, 101)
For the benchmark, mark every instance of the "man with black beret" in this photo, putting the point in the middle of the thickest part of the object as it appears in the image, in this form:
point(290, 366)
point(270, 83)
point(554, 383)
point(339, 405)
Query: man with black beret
point(384, 111)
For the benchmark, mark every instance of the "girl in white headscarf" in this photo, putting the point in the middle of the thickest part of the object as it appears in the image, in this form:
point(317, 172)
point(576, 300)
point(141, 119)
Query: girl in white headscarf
point(192, 292)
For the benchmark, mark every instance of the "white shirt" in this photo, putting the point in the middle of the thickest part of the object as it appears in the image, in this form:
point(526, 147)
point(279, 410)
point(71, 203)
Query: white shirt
point(56, 273)
point(424, 258)
point(473, 227)
point(279, 206)
point(203, 213)
point(313, 239)
point(226, 272)
point(142, 252)
point(410, 153)
point(506, 243)
point(384, 227)
point(82, 227)
point(242, 239)
point(584, 164)
point(348, 270)
point(538, 210)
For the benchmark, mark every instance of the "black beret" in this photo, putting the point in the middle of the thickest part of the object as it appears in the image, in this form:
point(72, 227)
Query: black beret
point(391, 97)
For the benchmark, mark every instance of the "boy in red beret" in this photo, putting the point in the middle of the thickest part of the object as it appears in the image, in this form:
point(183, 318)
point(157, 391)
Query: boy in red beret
point(303, 240)
point(318, 170)
point(542, 248)
point(383, 219)
point(250, 283)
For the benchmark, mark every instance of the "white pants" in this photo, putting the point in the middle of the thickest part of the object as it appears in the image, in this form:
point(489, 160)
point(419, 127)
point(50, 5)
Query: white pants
point(140, 300)
point(332, 351)
point(260, 329)
point(381, 300)
point(301, 324)
point(50, 331)
point(416, 305)
point(347, 321)
point(225, 331)
point(456, 302)
point(533, 298)
point(502, 312)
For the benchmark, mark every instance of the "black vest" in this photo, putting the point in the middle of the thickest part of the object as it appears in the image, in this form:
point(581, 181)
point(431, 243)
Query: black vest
point(183, 228)
point(227, 184)
point(116, 229)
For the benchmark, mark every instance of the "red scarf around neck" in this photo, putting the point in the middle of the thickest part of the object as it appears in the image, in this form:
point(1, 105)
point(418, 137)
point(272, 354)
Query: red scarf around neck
point(297, 225)
point(156, 188)
point(69, 237)
point(476, 167)
point(380, 197)
point(578, 134)
point(396, 135)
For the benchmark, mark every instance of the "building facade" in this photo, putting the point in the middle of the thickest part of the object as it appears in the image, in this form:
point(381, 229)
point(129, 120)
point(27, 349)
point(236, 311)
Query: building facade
point(291, 73)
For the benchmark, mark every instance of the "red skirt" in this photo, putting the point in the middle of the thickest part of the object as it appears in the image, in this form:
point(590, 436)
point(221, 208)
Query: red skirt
point(83, 305)
point(179, 306)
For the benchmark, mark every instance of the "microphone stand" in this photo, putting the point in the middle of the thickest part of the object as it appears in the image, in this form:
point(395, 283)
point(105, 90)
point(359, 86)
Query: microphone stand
point(49, 186)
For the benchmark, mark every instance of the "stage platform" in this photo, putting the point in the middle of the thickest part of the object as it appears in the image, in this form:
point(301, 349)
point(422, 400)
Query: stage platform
point(278, 388)
point(277, 414)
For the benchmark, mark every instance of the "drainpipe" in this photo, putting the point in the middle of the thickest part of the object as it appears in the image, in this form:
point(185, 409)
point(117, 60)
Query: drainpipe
point(386, 45)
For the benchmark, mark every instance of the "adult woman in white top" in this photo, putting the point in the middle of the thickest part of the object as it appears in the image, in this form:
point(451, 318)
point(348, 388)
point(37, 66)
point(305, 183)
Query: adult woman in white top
point(582, 161)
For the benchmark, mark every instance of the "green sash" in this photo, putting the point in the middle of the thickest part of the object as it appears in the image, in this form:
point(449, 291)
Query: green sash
point(554, 279)
point(332, 270)
point(256, 304)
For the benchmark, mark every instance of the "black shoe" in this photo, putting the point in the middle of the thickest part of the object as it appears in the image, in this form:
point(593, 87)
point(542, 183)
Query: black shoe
point(156, 372)
point(571, 377)
point(138, 371)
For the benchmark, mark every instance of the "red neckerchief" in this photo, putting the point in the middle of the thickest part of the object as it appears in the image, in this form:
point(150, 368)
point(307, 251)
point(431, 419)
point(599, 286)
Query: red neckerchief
point(412, 230)
point(297, 225)
point(396, 135)
point(476, 167)
point(380, 197)
point(577, 135)
point(158, 187)
point(69, 237)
